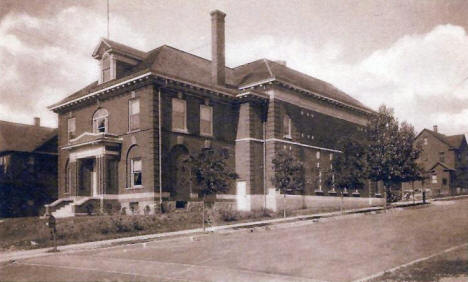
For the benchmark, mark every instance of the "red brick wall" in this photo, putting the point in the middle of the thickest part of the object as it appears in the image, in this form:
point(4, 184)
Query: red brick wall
point(117, 107)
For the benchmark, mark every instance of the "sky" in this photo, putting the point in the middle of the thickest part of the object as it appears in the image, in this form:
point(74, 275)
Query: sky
point(409, 55)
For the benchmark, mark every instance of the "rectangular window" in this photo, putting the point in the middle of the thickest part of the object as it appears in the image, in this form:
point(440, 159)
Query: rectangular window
point(179, 115)
point(425, 141)
point(100, 125)
point(105, 69)
point(136, 173)
point(134, 114)
point(442, 156)
point(206, 120)
point(317, 155)
point(434, 178)
point(444, 181)
point(287, 127)
point(71, 127)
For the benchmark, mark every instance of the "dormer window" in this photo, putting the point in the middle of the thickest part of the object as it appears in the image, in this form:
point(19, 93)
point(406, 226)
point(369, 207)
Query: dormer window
point(100, 121)
point(116, 60)
point(106, 68)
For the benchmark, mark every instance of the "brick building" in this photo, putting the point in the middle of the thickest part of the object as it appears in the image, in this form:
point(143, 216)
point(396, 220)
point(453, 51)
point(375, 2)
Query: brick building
point(445, 163)
point(28, 168)
point(123, 138)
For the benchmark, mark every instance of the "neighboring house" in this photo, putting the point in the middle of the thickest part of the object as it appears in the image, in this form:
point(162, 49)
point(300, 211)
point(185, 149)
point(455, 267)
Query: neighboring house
point(28, 168)
point(124, 138)
point(445, 163)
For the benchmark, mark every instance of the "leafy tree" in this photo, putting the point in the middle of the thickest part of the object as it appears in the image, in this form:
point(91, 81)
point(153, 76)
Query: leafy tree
point(392, 153)
point(211, 172)
point(289, 174)
point(350, 167)
point(409, 154)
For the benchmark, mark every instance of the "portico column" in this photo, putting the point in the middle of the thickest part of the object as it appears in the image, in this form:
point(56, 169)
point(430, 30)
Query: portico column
point(101, 164)
point(75, 177)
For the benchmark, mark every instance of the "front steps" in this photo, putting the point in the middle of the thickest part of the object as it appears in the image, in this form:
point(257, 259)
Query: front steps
point(65, 211)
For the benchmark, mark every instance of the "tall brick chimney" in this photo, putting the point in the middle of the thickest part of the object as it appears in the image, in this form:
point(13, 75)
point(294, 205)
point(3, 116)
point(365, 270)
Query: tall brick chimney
point(435, 128)
point(218, 75)
point(37, 121)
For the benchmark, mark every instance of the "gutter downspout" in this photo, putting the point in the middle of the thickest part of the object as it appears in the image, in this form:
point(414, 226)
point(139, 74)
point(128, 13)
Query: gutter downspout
point(160, 149)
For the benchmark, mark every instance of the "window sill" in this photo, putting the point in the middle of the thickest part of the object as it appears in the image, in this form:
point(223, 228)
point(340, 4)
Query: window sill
point(135, 187)
point(287, 137)
point(134, 131)
point(185, 131)
point(206, 135)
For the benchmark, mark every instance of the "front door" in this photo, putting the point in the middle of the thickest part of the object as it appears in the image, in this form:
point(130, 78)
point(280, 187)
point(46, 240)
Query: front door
point(88, 178)
point(183, 182)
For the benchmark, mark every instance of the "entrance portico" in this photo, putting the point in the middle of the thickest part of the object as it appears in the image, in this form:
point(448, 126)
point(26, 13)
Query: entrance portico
point(93, 165)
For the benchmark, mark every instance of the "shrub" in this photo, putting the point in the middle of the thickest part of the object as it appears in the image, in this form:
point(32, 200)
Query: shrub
point(227, 213)
point(137, 225)
point(121, 225)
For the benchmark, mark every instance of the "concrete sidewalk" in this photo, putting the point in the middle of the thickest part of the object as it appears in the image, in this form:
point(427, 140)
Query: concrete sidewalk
point(10, 256)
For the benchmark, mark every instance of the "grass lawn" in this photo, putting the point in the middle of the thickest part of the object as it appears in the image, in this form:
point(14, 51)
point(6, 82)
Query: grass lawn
point(32, 232)
point(452, 266)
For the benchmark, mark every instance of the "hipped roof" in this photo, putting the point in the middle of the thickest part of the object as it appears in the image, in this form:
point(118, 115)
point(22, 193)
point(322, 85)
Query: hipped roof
point(184, 66)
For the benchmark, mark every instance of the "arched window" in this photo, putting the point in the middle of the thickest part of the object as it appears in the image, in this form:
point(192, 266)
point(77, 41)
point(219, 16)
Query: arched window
point(100, 121)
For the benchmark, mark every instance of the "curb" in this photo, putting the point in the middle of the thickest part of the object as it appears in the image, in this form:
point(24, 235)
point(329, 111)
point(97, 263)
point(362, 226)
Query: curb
point(451, 198)
point(6, 257)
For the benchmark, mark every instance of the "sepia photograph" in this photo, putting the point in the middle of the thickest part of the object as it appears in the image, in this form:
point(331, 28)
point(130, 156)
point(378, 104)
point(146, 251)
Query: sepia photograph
point(224, 140)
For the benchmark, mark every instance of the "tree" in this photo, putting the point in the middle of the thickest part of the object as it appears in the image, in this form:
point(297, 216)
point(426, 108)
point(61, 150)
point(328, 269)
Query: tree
point(288, 174)
point(391, 150)
point(409, 153)
point(350, 167)
point(211, 172)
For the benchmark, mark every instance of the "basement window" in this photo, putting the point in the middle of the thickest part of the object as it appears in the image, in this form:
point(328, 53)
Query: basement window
point(181, 204)
point(134, 207)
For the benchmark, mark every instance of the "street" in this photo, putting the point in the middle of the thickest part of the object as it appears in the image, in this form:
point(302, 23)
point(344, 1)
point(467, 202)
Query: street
point(344, 248)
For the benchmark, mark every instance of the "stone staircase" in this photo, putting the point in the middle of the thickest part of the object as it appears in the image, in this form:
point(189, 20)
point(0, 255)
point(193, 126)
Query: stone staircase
point(67, 207)
point(65, 211)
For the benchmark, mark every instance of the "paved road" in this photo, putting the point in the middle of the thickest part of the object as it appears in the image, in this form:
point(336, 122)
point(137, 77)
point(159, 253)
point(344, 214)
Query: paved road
point(336, 249)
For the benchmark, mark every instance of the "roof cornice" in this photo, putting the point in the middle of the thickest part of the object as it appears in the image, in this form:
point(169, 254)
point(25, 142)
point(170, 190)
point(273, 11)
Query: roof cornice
point(163, 79)
point(306, 92)
point(97, 93)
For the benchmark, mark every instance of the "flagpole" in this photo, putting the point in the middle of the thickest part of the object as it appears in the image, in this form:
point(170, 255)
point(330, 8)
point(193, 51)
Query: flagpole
point(108, 19)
